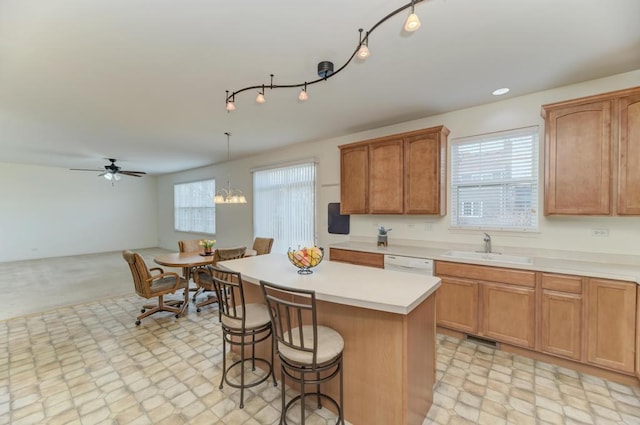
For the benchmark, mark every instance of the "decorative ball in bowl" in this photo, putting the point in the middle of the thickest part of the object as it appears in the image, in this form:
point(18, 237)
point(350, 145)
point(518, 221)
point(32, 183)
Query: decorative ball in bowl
point(305, 258)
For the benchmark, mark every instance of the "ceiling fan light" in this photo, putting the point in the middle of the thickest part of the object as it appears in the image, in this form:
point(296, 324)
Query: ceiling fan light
point(108, 176)
point(116, 177)
point(363, 52)
point(412, 23)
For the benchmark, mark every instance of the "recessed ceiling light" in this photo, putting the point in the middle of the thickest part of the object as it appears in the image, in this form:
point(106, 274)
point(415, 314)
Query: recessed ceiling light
point(500, 92)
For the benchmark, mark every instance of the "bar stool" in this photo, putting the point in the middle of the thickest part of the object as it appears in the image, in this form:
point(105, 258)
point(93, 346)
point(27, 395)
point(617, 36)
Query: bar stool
point(241, 322)
point(309, 354)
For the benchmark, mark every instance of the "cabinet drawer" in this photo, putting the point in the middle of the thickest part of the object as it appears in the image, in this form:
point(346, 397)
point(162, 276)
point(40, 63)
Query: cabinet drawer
point(357, 257)
point(562, 283)
point(485, 273)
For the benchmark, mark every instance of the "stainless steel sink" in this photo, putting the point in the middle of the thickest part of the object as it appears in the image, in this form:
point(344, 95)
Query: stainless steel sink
point(492, 256)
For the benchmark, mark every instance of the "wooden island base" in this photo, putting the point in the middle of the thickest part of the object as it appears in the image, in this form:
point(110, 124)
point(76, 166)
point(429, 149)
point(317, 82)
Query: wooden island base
point(389, 360)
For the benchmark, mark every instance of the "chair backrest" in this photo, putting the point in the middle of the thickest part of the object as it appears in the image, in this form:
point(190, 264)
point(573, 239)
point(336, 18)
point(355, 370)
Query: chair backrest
point(262, 245)
point(230, 294)
point(289, 310)
point(222, 254)
point(139, 271)
point(192, 245)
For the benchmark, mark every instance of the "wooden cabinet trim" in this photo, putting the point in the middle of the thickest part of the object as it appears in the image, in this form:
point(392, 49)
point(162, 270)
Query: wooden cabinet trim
point(589, 99)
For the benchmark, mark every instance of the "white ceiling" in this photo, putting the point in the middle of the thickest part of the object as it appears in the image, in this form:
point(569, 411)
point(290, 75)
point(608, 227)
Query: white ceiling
point(144, 81)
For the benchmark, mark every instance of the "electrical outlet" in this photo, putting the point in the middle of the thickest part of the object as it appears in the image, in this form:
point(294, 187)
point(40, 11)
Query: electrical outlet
point(411, 225)
point(600, 233)
point(428, 226)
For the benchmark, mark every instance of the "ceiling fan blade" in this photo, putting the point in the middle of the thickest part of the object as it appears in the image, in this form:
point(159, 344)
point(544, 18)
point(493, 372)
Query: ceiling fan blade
point(132, 173)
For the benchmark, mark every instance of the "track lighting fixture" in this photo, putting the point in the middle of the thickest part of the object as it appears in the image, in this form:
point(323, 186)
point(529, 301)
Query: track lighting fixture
point(363, 51)
point(413, 22)
point(325, 68)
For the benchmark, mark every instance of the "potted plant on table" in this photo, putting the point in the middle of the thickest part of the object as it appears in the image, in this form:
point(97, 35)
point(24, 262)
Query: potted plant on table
point(207, 244)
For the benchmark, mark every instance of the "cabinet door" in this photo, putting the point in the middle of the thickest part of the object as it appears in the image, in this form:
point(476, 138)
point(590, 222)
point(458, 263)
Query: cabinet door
point(578, 159)
point(386, 177)
point(354, 188)
point(457, 304)
point(611, 322)
point(508, 313)
point(629, 154)
point(562, 324)
point(424, 174)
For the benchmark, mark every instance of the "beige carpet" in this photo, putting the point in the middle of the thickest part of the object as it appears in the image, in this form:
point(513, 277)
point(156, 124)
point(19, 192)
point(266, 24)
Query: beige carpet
point(35, 286)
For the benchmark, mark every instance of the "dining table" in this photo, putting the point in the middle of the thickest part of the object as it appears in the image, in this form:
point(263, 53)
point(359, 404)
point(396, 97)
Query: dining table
point(189, 260)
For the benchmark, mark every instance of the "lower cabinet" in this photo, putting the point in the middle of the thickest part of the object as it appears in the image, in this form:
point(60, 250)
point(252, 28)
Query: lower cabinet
point(561, 316)
point(508, 313)
point(457, 304)
point(493, 302)
point(611, 324)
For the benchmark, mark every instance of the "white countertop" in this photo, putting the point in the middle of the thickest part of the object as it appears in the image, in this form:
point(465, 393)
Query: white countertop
point(606, 267)
point(359, 286)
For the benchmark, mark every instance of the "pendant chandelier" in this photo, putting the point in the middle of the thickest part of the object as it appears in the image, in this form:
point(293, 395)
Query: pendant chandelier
point(228, 195)
point(325, 68)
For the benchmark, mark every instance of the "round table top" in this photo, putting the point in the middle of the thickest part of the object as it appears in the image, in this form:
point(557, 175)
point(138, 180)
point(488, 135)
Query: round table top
point(189, 259)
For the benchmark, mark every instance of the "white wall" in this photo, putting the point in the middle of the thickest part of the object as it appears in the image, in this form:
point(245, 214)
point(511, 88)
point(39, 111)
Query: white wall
point(51, 212)
point(234, 222)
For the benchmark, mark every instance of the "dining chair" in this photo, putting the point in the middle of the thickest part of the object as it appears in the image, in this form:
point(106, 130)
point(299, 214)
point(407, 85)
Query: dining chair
point(155, 282)
point(262, 245)
point(242, 325)
point(203, 278)
point(310, 354)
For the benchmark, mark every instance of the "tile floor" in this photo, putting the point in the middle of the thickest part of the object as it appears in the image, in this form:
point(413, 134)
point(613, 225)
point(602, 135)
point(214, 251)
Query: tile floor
point(89, 364)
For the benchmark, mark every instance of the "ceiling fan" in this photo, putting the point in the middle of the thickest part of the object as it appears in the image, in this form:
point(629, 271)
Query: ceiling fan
point(112, 171)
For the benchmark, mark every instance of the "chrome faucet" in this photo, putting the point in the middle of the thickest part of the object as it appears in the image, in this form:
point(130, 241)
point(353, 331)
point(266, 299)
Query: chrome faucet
point(487, 243)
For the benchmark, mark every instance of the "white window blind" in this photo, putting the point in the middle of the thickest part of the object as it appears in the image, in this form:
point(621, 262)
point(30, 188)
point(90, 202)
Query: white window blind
point(194, 210)
point(284, 205)
point(494, 181)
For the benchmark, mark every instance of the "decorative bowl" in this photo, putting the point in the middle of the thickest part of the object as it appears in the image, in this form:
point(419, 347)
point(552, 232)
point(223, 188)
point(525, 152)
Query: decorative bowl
point(306, 258)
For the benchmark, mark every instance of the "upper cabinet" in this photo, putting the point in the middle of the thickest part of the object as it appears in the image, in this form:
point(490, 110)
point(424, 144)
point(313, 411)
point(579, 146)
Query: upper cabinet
point(399, 174)
point(629, 155)
point(354, 179)
point(590, 146)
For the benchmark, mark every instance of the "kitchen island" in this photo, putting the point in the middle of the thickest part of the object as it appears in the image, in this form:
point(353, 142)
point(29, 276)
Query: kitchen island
point(387, 320)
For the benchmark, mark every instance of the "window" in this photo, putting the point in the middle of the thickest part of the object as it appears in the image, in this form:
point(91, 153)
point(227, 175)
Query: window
point(494, 181)
point(194, 210)
point(284, 205)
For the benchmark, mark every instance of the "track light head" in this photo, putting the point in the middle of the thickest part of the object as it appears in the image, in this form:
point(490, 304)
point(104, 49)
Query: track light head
point(413, 22)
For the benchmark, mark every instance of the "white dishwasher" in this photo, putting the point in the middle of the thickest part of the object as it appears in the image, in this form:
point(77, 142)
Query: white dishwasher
point(408, 264)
